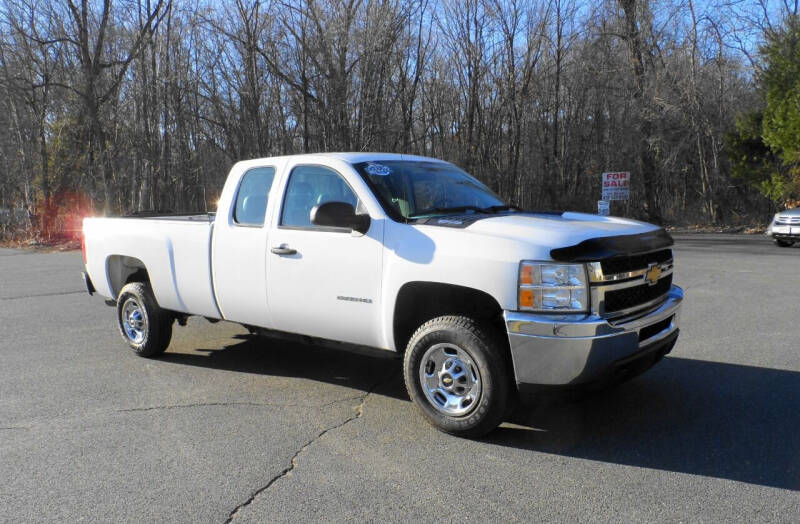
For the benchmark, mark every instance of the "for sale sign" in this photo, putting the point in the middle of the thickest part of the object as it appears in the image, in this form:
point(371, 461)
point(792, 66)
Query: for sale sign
point(616, 186)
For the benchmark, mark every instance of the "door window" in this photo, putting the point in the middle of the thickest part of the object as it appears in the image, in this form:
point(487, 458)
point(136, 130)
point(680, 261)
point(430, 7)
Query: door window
point(251, 199)
point(310, 186)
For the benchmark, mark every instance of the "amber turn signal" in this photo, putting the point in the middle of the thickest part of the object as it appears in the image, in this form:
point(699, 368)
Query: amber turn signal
point(526, 298)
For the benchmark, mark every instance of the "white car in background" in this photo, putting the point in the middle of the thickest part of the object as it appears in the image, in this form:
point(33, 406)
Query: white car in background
point(785, 227)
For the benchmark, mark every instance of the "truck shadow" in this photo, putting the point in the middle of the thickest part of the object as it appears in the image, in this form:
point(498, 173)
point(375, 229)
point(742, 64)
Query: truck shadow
point(713, 419)
point(705, 418)
point(364, 371)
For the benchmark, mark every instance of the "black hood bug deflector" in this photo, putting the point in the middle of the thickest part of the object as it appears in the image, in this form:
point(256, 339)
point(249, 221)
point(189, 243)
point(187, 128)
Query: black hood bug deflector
point(596, 249)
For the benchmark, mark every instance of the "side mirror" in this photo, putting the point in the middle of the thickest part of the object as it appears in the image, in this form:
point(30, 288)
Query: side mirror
point(339, 214)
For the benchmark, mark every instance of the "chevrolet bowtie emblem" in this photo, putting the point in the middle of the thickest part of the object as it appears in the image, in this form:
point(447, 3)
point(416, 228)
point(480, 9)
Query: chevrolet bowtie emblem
point(653, 274)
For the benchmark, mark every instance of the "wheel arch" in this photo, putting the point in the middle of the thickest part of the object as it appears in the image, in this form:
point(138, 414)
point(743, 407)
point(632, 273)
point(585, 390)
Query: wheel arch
point(122, 269)
point(419, 301)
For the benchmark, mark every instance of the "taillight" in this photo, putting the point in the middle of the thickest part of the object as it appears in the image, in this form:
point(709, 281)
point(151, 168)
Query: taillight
point(83, 247)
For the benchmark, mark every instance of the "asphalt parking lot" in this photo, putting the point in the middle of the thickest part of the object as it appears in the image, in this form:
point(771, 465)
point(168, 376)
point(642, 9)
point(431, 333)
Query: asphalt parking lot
point(225, 426)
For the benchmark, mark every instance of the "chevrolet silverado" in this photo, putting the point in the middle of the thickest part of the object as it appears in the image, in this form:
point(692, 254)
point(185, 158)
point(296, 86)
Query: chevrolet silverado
point(487, 304)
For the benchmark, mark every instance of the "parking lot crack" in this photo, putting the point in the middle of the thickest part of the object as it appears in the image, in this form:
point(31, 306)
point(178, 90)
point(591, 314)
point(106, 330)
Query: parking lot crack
point(358, 411)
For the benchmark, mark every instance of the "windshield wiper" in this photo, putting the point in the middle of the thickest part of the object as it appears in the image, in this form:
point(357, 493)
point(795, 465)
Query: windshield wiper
point(461, 209)
point(454, 209)
point(497, 209)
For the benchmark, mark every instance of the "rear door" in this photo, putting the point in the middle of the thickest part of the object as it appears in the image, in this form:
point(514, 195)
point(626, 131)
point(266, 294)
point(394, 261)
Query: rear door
point(240, 248)
point(323, 281)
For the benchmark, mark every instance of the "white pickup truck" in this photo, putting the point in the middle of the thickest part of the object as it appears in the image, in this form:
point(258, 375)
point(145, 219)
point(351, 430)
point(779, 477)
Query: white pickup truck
point(488, 304)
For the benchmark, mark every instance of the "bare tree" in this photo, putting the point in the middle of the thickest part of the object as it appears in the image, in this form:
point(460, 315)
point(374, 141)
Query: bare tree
point(102, 70)
point(144, 104)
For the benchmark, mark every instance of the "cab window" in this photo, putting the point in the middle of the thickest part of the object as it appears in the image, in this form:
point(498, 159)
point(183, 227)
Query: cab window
point(251, 199)
point(310, 186)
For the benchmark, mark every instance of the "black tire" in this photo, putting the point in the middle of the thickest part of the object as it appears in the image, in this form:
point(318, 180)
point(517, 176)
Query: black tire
point(487, 353)
point(150, 336)
point(784, 243)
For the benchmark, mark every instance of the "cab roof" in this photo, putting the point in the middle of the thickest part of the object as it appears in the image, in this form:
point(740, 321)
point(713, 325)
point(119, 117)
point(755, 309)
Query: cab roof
point(352, 158)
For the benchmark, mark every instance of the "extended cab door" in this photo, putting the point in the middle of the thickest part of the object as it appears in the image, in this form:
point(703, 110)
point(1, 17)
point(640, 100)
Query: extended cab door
point(239, 246)
point(324, 281)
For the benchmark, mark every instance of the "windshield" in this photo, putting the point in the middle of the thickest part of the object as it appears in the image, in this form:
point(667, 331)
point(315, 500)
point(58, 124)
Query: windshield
point(415, 189)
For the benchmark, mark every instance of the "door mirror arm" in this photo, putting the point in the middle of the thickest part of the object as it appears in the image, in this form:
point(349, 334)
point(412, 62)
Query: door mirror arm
point(339, 214)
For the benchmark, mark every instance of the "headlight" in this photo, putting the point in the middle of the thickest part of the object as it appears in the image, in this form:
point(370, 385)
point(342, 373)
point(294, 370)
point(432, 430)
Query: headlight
point(549, 287)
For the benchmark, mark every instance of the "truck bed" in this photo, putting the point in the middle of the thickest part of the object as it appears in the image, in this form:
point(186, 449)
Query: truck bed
point(175, 249)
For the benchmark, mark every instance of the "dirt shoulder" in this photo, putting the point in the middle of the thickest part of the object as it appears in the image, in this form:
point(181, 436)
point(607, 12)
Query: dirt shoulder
point(53, 246)
point(727, 230)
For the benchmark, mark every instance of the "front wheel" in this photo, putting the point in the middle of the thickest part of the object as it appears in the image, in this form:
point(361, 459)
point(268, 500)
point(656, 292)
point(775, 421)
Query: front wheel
point(457, 374)
point(142, 323)
point(784, 243)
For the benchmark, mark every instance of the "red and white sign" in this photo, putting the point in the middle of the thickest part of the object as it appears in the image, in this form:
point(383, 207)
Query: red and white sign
point(616, 186)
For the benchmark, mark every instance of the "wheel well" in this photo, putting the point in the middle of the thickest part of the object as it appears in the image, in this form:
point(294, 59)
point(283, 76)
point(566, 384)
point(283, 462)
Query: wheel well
point(122, 270)
point(418, 302)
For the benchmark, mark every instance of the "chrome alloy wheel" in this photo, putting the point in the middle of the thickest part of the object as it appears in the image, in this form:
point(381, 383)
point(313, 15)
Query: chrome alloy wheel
point(134, 321)
point(450, 379)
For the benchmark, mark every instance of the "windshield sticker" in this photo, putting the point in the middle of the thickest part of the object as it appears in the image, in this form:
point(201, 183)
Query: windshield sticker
point(450, 221)
point(378, 169)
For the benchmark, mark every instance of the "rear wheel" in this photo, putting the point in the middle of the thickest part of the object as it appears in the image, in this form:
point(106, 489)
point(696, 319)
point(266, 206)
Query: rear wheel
point(142, 323)
point(784, 243)
point(457, 374)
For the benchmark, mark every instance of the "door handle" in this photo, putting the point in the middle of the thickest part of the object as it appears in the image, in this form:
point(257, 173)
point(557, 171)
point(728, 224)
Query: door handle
point(283, 249)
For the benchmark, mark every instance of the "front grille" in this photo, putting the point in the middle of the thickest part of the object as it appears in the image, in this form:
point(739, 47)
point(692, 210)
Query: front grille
point(612, 266)
point(630, 297)
point(655, 329)
point(788, 220)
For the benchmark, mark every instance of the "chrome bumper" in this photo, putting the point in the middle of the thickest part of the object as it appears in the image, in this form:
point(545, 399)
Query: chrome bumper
point(550, 350)
point(791, 232)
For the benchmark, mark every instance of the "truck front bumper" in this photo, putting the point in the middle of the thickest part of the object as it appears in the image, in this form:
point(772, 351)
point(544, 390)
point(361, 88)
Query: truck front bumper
point(566, 350)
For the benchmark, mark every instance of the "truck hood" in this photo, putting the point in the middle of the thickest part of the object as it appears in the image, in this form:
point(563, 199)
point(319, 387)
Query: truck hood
point(569, 236)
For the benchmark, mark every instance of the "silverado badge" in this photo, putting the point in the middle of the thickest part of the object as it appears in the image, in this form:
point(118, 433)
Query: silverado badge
point(653, 274)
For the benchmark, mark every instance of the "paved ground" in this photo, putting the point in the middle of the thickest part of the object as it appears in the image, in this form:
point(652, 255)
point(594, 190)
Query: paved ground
point(268, 431)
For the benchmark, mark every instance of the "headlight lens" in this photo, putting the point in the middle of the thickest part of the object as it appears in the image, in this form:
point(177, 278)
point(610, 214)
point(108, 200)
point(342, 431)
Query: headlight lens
point(548, 287)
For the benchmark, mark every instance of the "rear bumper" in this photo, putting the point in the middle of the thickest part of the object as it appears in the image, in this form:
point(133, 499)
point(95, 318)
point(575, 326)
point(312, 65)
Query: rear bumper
point(567, 350)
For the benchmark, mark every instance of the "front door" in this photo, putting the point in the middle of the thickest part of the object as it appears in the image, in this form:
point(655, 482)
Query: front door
point(323, 282)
